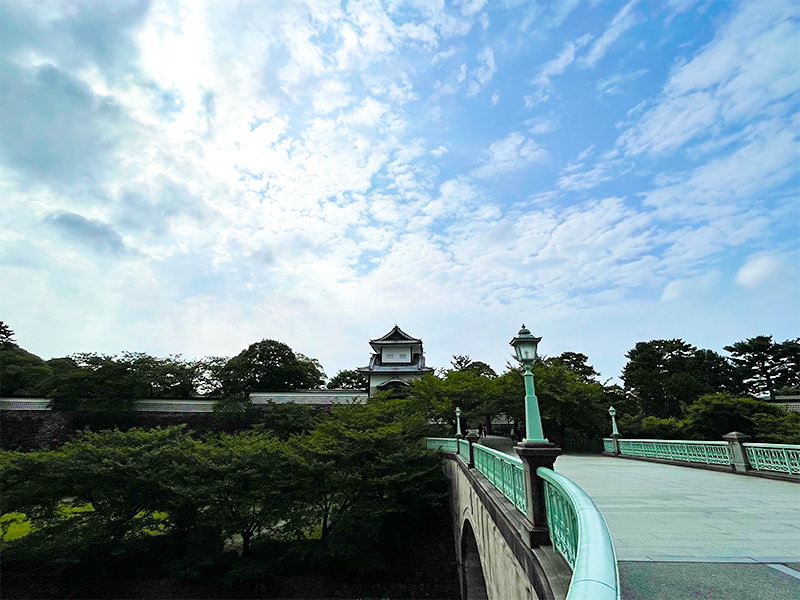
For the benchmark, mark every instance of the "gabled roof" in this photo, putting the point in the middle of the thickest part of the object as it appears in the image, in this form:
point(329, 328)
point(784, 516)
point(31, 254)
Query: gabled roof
point(395, 335)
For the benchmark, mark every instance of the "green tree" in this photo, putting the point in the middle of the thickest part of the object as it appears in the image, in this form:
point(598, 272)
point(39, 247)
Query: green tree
point(247, 484)
point(567, 401)
point(95, 382)
point(667, 376)
point(6, 334)
point(21, 373)
point(766, 366)
point(463, 363)
point(578, 364)
point(269, 366)
point(114, 478)
point(348, 380)
point(287, 420)
point(363, 462)
point(714, 415)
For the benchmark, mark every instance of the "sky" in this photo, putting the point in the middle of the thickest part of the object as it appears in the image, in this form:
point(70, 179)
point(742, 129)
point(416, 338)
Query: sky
point(192, 177)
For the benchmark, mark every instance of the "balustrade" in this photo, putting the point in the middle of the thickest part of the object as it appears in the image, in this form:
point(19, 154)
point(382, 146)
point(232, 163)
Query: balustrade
point(714, 453)
point(505, 472)
point(580, 534)
point(783, 458)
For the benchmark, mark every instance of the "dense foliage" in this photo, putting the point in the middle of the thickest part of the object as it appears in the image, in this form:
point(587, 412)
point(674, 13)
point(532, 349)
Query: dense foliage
point(341, 494)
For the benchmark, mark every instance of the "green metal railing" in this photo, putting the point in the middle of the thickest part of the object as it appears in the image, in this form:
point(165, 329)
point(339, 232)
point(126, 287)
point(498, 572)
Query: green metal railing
point(783, 458)
point(580, 534)
point(443, 444)
point(463, 450)
point(712, 453)
point(503, 471)
point(608, 444)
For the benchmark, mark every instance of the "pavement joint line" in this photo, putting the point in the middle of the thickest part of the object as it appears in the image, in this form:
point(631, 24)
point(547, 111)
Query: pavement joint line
point(784, 569)
point(711, 559)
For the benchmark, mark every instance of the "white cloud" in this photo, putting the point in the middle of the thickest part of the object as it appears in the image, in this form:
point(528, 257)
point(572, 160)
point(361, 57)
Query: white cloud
point(750, 66)
point(495, 97)
point(672, 291)
point(613, 85)
point(542, 82)
point(542, 125)
point(756, 271)
point(624, 20)
point(482, 75)
point(512, 152)
point(332, 95)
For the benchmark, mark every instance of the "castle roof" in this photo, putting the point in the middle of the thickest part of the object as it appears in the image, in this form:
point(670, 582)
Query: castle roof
point(396, 337)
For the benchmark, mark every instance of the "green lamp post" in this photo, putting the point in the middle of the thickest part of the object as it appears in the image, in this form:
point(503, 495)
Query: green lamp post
point(525, 345)
point(613, 411)
point(458, 423)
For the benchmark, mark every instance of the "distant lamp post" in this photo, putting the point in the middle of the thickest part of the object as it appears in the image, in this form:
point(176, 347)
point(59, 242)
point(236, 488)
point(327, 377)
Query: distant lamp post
point(458, 423)
point(525, 345)
point(613, 411)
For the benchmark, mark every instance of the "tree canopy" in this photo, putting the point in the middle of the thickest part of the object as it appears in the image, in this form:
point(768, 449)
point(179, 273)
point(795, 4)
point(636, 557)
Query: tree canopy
point(347, 379)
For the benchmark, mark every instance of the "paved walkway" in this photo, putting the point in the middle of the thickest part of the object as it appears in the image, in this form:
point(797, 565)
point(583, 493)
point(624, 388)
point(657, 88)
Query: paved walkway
point(681, 532)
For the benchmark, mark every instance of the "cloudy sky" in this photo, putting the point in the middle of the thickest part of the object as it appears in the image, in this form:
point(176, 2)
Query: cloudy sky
point(189, 177)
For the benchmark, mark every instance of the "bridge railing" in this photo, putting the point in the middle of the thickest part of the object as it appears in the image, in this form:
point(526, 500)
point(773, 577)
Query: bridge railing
point(463, 450)
point(735, 452)
point(580, 534)
point(715, 453)
point(505, 472)
point(783, 458)
point(575, 525)
point(443, 444)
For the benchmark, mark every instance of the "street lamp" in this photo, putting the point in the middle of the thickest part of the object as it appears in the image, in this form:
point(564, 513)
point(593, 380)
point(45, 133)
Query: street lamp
point(613, 411)
point(458, 422)
point(525, 345)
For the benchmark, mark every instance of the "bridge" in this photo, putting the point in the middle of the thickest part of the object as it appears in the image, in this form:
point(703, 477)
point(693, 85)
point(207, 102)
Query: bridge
point(630, 529)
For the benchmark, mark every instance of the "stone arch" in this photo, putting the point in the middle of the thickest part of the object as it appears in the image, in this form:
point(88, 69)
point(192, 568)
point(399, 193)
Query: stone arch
point(473, 583)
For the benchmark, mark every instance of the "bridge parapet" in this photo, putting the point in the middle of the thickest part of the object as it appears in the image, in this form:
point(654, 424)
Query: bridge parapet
point(734, 454)
point(575, 528)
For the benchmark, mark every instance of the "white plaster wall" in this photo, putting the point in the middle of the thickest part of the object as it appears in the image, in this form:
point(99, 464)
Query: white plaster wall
point(396, 351)
point(505, 577)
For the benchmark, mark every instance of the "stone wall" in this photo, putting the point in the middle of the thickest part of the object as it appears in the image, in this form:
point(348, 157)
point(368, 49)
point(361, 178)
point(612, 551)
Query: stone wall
point(28, 430)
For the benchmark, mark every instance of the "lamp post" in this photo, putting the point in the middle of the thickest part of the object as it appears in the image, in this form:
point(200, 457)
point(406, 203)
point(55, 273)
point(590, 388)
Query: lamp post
point(458, 423)
point(534, 451)
point(525, 345)
point(613, 411)
point(615, 433)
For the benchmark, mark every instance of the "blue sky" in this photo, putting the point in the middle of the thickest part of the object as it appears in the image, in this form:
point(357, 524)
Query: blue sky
point(193, 177)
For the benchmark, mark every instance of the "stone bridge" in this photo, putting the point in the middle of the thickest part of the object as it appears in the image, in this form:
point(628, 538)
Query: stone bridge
point(678, 532)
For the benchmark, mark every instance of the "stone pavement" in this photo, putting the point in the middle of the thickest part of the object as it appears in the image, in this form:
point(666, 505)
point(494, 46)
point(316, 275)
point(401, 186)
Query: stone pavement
point(681, 532)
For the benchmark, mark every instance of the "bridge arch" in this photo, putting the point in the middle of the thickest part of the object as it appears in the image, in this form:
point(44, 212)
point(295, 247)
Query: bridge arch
point(473, 582)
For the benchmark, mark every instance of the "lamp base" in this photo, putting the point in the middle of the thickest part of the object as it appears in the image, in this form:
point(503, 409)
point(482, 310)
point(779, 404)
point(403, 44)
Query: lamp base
point(529, 443)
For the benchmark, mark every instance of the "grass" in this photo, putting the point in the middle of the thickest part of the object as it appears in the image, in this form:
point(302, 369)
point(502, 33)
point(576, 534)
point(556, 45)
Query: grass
point(16, 525)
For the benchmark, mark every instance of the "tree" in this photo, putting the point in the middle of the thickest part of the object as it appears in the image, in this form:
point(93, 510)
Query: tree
point(577, 363)
point(246, 483)
point(766, 366)
point(667, 376)
point(269, 366)
point(714, 415)
point(21, 373)
point(114, 478)
point(348, 380)
point(363, 462)
point(464, 363)
point(6, 334)
point(566, 399)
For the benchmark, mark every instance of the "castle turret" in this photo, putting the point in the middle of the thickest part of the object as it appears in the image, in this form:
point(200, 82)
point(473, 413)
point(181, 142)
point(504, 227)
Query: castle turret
point(397, 360)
